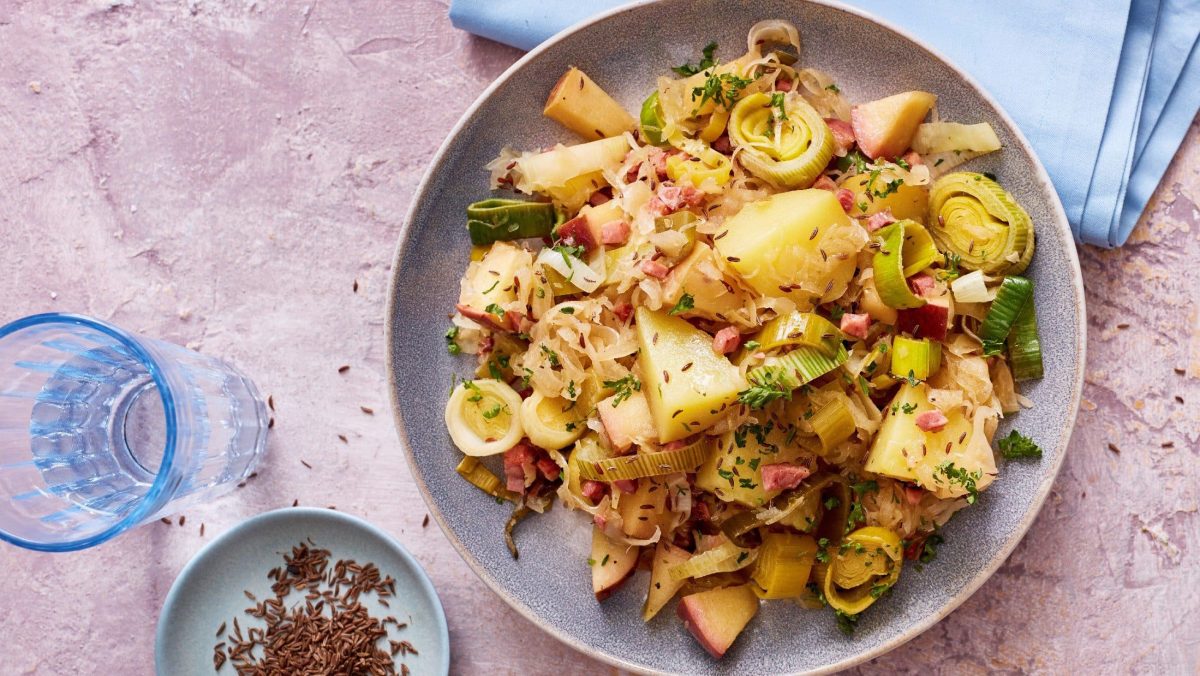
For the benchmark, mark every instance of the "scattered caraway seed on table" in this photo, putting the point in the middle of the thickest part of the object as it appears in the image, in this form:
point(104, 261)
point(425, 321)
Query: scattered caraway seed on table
point(329, 631)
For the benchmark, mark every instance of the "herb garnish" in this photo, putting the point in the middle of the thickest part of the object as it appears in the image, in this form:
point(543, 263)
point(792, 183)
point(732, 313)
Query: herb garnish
point(722, 89)
point(624, 388)
point(686, 303)
point(1017, 445)
point(495, 310)
point(708, 61)
point(452, 341)
point(771, 387)
point(962, 477)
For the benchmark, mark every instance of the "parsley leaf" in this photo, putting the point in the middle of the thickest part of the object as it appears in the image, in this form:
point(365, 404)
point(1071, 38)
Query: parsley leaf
point(705, 63)
point(452, 341)
point(495, 310)
point(551, 356)
point(722, 89)
point(846, 622)
point(771, 387)
point(1017, 445)
point(686, 302)
point(962, 477)
point(833, 88)
point(625, 387)
point(909, 408)
point(929, 550)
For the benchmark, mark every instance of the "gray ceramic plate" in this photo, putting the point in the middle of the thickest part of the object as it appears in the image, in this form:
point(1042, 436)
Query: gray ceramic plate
point(625, 50)
point(209, 589)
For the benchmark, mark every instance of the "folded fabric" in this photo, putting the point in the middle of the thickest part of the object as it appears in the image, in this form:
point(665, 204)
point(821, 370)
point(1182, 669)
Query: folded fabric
point(1105, 91)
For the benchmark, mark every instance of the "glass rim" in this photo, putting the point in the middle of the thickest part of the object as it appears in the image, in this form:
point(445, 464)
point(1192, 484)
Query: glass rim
point(158, 488)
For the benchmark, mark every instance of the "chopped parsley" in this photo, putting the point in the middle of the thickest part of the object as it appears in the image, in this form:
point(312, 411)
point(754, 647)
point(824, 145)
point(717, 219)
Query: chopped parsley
point(477, 394)
point(495, 310)
point(822, 554)
point(493, 411)
point(879, 589)
point(494, 370)
point(833, 88)
point(771, 387)
point(452, 341)
point(752, 345)
point(909, 408)
point(836, 312)
point(686, 303)
point(864, 487)
point(571, 393)
point(778, 112)
point(746, 483)
point(831, 503)
point(568, 310)
point(723, 89)
point(846, 622)
point(754, 463)
point(624, 388)
point(960, 476)
point(1017, 445)
point(708, 61)
point(856, 516)
point(929, 550)
point(900, 162)
point(950, 270)
point(569, 252)
point(551, 356)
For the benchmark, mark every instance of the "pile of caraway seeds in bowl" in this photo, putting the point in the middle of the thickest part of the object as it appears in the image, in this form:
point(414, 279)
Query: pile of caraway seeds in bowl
point(325, 629)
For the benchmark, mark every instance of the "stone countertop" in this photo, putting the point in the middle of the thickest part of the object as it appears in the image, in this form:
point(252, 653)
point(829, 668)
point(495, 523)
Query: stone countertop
point(233, 176)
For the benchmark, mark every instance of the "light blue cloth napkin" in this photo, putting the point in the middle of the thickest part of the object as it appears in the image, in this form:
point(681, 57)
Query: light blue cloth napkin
point(1104, 90)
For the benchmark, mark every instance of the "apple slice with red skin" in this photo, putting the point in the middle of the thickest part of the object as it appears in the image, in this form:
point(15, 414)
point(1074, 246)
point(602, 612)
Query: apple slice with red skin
point(576, 232)
point(885, 128)
point(928, 321)
point(612, 563)
point(716, 617)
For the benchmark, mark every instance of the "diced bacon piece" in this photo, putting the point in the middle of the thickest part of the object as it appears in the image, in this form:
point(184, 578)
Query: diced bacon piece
point(921, 284)
point(677, 444)
point(548, 468)
point(931, 421)
point(846, 198)
point(726, 340)
point(783, 475)
point(508, 322)
point(519, 469)
point(601, 520)
point(599, 197)
point(576, 232)
point(843, 134)
point(655, 269)
point(880, 219)
point(783, 84)
point(913, 494)
point(486, 344)
point(614, 233)
point(825, 183)
point(672, 198)
point(700, 511)
point(625, 485)
point(593, 490)
point(723, 145)
point(856, 325)
point(913, 158)
point(623, 310)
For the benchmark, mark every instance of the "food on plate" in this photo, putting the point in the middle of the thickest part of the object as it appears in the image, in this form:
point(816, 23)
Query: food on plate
point(759, 335)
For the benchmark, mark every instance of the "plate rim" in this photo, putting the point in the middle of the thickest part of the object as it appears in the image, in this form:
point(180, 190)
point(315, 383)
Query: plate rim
point(228, 538)
point(981, 576)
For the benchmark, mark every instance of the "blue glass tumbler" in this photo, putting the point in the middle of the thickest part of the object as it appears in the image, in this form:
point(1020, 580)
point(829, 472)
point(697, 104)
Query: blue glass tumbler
point(102, 430)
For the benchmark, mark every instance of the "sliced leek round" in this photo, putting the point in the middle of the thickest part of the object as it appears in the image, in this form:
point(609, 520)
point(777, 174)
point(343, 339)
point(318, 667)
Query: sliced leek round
point(640, 465)
point(891, 265)
point(784, 564)
point(833, 422)
point(1011, 298)
point(798, 367)
point(1024, 346)
point(866, 563)
point(783, 139)
point(701, 164)
point(917, 358)
point(800, 329)
point(724, 558)
point(975, 218)
point(651, 120)
point(483, 417)
point(553, 422)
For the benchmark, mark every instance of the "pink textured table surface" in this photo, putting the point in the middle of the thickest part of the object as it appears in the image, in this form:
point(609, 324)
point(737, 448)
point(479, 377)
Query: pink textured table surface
point(221, 174)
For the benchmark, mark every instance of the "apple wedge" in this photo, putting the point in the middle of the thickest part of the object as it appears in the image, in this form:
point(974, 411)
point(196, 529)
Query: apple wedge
point(627, 422)
point(716, 617)
point(641, 510)
point(611, 562)
point(662, 587)
point(885, 128)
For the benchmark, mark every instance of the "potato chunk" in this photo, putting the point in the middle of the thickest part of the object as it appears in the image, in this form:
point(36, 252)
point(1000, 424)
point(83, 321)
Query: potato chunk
point(799, 245)
point(687, 385)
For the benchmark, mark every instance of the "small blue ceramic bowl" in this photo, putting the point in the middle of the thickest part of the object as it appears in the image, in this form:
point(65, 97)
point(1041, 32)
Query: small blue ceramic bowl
point(209, 591)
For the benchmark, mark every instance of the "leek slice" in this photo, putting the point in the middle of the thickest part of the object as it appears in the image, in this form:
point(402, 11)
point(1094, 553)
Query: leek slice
point(805, 329)
point(941, 137)
point(553, 422)
point(972, 288)
point(891, 270)
point(778, 376)
point(867, 563)
point(651, 121)
point(974, 217)
point(715, 126)
point(1012, 297)
point(494, 220)
point(789, 151)
point(1024, 346)
point(483, 417)
point(482, 478)
point(822, 503)
point(917, 358)
point(834, 423)
point(702, 164)
point(784, 564)
point(724, 558)
point(641, 465)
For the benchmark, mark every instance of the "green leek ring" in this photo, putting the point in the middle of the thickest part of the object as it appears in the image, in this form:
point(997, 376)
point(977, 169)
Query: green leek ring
point(791, 152)
point(865, 564)
point(975, 218)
